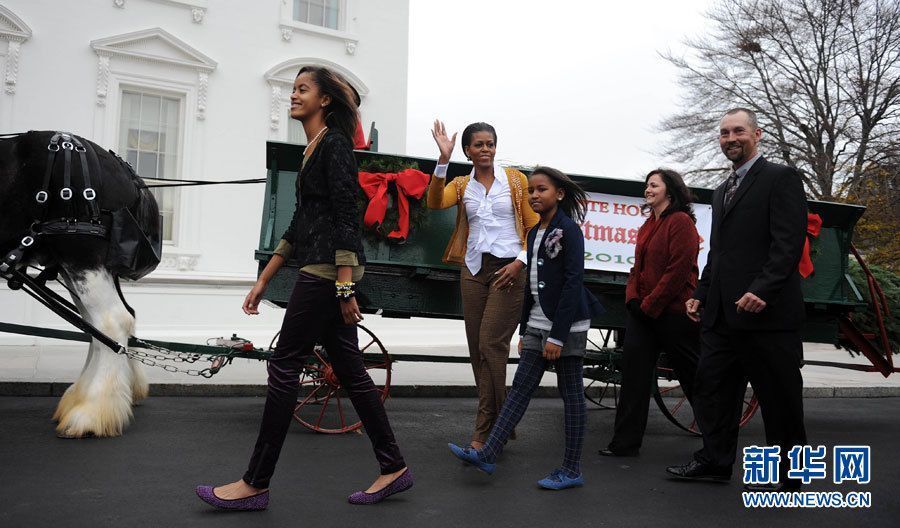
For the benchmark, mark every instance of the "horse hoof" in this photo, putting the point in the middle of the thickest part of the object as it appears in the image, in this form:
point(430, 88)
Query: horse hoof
point(68, 435)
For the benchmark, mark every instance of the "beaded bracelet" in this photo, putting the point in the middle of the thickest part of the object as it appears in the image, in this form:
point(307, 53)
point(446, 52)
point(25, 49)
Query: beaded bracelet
point(344, 290)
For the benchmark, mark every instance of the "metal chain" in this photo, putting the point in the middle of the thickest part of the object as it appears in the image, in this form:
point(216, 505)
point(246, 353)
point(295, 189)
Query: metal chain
point(164, 357)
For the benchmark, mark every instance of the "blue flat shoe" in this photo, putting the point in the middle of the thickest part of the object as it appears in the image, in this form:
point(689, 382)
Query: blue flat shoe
point(557, 480)
point(470, 456)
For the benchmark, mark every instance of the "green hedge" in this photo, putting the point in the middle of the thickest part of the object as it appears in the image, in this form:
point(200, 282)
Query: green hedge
point(890, 284)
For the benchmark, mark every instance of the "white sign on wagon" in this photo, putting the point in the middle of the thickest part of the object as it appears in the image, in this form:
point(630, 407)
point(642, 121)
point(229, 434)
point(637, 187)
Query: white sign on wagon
point(610, 231)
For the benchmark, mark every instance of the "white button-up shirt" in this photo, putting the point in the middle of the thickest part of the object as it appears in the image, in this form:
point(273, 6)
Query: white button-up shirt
point(492, 221)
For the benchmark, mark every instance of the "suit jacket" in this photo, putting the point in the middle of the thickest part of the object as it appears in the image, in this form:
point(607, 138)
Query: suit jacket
point(755, 246)
point(326, 216)
point(561, 291)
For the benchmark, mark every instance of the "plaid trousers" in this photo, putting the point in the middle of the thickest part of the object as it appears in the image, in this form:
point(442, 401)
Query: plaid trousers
point(570, 376)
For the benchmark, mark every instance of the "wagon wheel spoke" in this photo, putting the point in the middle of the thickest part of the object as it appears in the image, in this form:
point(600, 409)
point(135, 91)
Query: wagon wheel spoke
point(666, 390)
point(363, 349)
point(312, 376)
point(318, 353)
point(377, 366)
point(340, 409)
point(324, 406)
point(318, 373)
point(310, 395)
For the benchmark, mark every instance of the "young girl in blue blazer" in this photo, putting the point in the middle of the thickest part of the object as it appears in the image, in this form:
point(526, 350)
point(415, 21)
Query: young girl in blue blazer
point(556, 316)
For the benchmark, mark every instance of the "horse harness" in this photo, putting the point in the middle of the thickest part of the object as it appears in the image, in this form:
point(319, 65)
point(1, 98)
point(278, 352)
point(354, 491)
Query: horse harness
point(11, 267)
point(67, 143)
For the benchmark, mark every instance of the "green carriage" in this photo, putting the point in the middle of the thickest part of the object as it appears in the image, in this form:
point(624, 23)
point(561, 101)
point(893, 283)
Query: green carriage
point(410, 280)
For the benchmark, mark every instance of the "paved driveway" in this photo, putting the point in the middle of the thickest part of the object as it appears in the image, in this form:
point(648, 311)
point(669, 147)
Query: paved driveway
point(146, 477)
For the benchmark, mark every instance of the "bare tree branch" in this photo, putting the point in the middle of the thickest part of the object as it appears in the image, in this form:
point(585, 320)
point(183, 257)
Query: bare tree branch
point(822, 75)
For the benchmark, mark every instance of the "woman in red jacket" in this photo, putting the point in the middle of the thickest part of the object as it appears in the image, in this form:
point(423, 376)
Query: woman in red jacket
point(664, 276)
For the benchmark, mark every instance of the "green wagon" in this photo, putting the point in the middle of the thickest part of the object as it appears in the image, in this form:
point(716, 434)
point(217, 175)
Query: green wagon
point(410, 280)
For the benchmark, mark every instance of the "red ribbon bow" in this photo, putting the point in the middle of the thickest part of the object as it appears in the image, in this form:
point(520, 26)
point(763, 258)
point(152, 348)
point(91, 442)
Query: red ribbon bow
point(410, 183)
point(813, 228)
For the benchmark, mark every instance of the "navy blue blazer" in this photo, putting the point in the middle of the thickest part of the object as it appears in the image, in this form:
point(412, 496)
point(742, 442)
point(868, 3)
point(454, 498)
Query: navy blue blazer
point(561, 291)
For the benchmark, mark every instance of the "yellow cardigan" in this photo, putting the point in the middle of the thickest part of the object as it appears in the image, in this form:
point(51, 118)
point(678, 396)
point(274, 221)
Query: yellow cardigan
point(442, 195)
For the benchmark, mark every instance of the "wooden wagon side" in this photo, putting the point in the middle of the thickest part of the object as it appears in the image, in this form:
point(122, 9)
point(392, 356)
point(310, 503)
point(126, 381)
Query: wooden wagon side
point(409, 280)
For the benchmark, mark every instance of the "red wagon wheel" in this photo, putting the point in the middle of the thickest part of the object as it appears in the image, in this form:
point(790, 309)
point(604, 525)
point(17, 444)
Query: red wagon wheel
point(678, 411)
point(322, 404)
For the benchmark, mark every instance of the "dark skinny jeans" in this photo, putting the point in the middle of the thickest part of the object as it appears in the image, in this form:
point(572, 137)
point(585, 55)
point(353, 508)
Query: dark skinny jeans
point(313, 316)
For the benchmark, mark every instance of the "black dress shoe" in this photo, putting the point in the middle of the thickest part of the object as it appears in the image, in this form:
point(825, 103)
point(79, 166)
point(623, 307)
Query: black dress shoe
point(788, 485)
point(700, 471)
point(619, 453)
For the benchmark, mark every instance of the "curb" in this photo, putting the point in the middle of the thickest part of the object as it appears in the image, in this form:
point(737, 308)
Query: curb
point(56, 389)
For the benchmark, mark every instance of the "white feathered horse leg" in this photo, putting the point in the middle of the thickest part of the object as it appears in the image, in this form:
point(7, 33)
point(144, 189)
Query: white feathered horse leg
point(99, 402)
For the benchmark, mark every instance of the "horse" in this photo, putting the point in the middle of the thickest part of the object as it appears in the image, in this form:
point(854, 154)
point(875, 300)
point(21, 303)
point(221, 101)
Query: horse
point(72, 207)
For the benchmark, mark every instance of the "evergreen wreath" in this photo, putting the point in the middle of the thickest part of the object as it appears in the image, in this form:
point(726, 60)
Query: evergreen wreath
point(417, 208)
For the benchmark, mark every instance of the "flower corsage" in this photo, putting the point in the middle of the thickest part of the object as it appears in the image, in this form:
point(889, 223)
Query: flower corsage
point(553, 243)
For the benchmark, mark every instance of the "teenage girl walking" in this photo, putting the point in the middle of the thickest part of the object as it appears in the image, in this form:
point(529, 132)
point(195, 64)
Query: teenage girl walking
point(556, 316)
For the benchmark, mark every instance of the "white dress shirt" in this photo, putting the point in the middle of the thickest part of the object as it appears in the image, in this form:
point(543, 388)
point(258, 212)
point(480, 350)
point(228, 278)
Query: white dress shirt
point(492, 220)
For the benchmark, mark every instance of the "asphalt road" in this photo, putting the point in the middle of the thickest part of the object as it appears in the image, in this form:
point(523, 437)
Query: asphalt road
point(147, 476)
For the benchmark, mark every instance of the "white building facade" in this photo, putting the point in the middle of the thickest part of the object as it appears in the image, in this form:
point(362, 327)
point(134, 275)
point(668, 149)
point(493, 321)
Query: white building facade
point(192, 89)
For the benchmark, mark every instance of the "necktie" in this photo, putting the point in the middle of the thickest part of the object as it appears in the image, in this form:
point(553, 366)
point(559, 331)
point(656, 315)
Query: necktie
point(731, 187)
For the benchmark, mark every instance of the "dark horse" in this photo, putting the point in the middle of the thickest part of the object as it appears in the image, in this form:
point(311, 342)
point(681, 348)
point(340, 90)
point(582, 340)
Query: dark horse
point(105, 226)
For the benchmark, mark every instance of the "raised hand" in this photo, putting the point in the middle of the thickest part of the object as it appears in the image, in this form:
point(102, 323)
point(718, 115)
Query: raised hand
point(445, 144)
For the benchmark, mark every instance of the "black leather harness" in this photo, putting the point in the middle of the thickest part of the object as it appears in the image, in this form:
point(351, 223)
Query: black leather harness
point(70, 223)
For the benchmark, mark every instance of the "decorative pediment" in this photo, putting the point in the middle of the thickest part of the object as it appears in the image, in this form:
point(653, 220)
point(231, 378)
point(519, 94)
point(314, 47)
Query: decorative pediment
point(154, 45)
point(157, 46)
point(12, 27)
point(281, 81)
point(14, 31)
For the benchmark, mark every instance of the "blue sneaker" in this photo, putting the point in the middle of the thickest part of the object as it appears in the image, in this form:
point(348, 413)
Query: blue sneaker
point(470, 456)
point(557, 480)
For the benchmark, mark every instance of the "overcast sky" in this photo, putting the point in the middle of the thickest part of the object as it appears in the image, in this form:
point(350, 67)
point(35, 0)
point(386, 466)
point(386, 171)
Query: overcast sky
point(577, 85)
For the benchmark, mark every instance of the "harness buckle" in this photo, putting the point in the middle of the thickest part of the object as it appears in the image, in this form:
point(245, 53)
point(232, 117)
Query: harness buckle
point(53, 147)
point(41, 197)
point(67, 145)
point(79, 148)
point(65, 193)
point(71, 225)
point(27, 241)
point(89, 193)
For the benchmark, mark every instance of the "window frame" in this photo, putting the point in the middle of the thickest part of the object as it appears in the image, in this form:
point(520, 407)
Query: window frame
point(183, 241)
point(179, 145)
point(288, 25)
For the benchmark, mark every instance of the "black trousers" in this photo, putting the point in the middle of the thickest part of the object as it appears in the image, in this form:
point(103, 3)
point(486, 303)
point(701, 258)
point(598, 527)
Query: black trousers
point(679, 338)
point(771, 361)
point(313, 315)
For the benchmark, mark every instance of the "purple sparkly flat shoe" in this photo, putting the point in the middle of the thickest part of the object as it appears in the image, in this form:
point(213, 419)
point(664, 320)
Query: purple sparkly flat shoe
point(253, 503)
point(402, 483)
